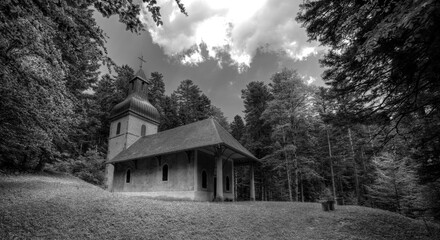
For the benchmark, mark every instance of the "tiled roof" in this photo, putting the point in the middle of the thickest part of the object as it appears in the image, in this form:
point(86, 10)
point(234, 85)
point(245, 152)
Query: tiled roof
point(200, 134)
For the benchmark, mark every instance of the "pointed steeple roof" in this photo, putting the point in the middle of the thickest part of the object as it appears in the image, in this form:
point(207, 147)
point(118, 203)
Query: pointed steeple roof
point(140, 74)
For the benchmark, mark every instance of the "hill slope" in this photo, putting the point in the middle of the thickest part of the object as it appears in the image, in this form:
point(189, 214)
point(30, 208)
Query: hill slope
point(64, 207)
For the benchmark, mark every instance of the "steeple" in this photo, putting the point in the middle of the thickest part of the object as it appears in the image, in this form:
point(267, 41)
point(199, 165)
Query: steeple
point(131, 119)
point(137, 100)
point(139, 84)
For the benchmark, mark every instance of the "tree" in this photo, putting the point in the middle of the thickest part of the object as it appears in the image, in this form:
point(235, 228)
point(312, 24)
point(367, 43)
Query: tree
point(383, 60)
point(257, 136)
point(122, 78)
point(193, 105)
point(237, 128)
point(395, 187)
point(257, 132)
point(156, 91)
point(50, 54)
point(290, 113)
point(217, 114)
point(170, 118)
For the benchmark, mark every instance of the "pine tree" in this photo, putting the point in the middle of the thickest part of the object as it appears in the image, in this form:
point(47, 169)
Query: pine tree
point(156, 91)
point(289, 114)
point(170, 118)
point(237, 128)
point(192, 104)
point(257, 136)
point(395, 187)
point(217, 114)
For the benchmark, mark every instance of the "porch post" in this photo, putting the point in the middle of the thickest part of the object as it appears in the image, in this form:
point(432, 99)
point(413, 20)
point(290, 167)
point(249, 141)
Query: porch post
point(110, 169)
point(196, 172)
point(252, 185)
point(233, 181)
point(219, 166)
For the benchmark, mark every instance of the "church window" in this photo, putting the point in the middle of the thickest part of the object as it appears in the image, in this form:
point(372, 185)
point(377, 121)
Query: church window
point(227, 183)
point(143, 130)
point(165, 172)
point(118, 128)
point(128, 176)
point(204, 179)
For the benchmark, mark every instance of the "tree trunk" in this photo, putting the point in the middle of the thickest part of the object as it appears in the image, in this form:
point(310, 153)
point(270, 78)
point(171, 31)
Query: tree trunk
point(331, 164)
point(296, 180)
point(302, 188)
point(356, 177)
point(289, 181)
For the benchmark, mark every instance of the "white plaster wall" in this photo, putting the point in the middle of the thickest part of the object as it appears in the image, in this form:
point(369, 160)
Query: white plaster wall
point(129, 134)
point(146, 174)
point(116, 143)
point(134, 129)
point(135, 124)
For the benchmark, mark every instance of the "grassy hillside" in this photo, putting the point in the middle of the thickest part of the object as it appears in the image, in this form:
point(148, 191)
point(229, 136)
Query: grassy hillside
point(62, 207)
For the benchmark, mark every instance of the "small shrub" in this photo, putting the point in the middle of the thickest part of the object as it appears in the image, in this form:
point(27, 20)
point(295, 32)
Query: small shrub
point(89, 167)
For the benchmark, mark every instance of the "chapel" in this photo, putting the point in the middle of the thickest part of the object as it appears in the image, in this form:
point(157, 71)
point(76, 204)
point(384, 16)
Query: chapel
point(193, 162)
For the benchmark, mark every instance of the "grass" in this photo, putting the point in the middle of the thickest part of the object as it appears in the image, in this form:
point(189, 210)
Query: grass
point(63, 207)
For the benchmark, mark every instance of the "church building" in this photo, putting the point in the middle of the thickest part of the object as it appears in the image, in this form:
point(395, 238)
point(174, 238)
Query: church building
point(194, 162)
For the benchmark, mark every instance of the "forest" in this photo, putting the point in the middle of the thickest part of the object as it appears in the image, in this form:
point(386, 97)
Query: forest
point(371, 137)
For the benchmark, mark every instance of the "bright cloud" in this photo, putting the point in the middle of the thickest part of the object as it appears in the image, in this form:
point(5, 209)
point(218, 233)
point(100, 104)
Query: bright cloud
point(238, 27)
point(310, 80)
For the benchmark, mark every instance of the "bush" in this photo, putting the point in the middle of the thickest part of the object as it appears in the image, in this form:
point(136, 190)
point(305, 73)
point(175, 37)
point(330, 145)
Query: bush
point(89, 167)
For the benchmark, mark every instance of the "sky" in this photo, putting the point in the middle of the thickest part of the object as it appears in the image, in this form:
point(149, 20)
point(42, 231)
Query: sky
point(221, 46)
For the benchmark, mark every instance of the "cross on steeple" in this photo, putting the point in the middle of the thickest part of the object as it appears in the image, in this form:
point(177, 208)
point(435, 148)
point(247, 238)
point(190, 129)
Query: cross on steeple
point(142, 60)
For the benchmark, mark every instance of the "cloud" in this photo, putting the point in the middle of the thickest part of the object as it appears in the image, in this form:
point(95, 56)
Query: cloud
point(239, 28)
point(311, 80)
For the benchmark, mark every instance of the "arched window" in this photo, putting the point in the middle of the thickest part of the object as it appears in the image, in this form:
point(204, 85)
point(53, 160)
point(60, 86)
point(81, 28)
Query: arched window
point(143, 130)
point(227, 183)
point(204, 179)
point(128, 176)
point(165, 172)
point(118, 128)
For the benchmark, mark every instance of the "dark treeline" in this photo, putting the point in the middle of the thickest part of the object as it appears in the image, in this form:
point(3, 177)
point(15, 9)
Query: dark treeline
point(312, 149)
point(372, 138)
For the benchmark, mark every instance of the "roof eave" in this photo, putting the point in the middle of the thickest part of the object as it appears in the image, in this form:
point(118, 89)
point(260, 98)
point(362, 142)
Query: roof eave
point(181, 150)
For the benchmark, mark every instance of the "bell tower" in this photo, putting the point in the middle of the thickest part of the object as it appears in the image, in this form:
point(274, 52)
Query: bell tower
point(130, 120)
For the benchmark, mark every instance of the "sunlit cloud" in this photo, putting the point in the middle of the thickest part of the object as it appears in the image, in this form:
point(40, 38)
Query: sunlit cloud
point(238, 28)
point(310, 80)
point(192, 59)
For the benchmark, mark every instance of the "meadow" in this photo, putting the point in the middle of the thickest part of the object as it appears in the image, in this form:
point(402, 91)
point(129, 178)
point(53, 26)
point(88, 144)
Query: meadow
point(64, 207)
